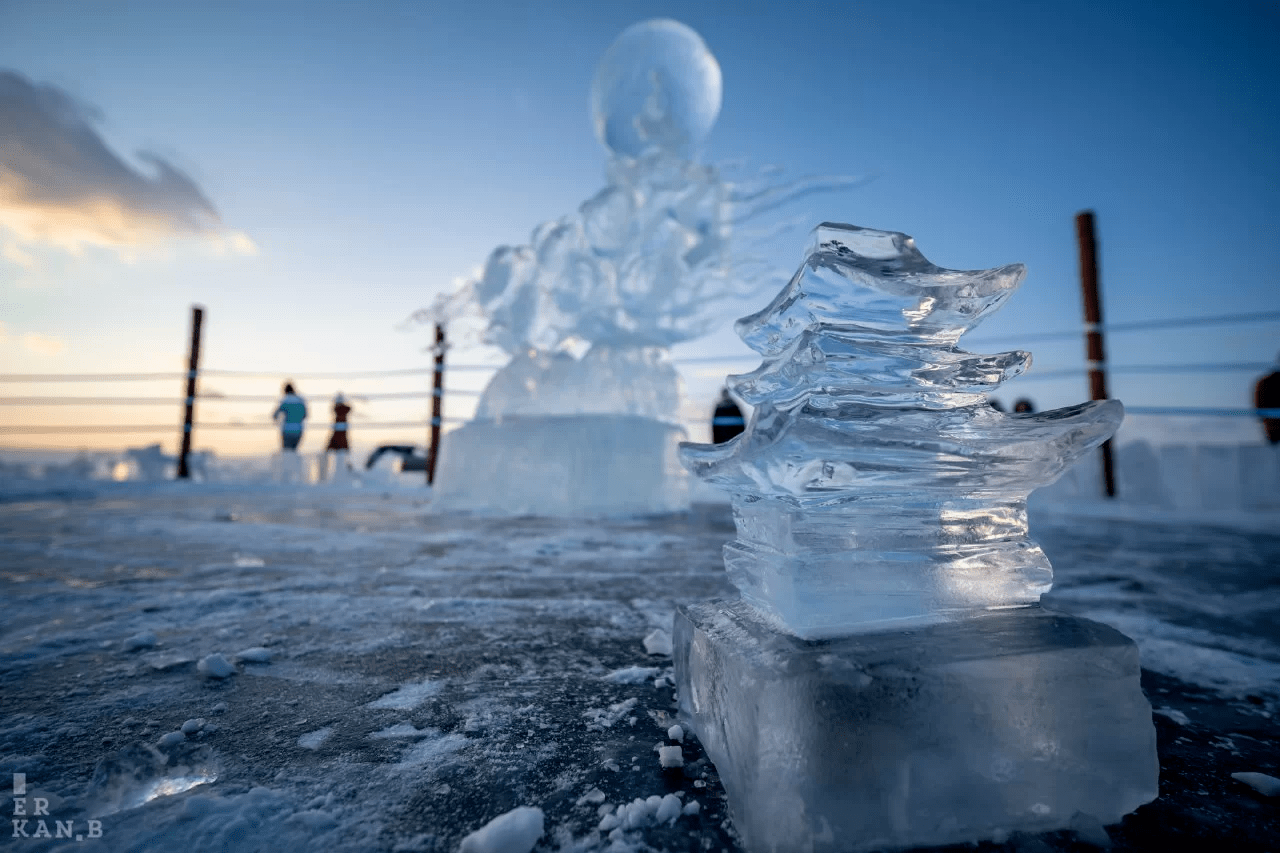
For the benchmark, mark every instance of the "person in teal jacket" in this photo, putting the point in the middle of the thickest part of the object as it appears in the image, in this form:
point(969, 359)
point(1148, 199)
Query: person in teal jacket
point(291, 412)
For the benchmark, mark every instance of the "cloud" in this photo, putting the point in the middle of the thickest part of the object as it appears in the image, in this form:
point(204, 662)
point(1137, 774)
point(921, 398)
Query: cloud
point(61, 185)
point(43, 344)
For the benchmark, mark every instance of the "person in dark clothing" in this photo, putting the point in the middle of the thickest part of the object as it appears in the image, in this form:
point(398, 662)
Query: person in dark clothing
point(727, 421)
point(1266, 395)
point(338, 445)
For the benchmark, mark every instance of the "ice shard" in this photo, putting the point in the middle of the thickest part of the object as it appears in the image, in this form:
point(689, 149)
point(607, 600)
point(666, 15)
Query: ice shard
point(888, 678)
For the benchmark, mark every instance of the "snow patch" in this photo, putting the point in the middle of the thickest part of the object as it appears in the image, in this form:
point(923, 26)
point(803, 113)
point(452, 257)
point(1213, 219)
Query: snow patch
point(632, 675)
point(409, 696)
point(312, 740)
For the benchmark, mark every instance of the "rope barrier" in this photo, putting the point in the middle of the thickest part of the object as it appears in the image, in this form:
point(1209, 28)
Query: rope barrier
point(23, 429)
point(208, 398)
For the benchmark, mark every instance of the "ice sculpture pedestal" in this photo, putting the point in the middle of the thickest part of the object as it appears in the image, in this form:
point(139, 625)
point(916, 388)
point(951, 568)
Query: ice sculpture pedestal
point(571, 465)
point(947, 733)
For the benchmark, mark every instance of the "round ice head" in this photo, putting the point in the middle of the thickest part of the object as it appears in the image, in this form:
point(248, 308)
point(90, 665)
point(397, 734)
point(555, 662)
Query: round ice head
point(656, 86)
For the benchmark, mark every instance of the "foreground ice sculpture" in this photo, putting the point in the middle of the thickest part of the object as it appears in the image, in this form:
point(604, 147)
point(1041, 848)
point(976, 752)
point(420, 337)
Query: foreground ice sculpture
point(641, 266)
point(887, 678)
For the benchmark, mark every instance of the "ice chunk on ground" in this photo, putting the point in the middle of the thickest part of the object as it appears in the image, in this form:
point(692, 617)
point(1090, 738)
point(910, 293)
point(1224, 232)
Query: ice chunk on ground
point(142, 640)
point(599, 718)
point(595, 795)
point(409, 696)
point(171, 739)
point(676, 733)
point(193, 725)
point(632, 675)
point(514, 832)
point(257, 654)
point(657, 642)
point(692, 807)
point(1262, 783)
point(670, 756)
point(248, 561)
point(668, 809)
point(215, 666)
point(312, 740)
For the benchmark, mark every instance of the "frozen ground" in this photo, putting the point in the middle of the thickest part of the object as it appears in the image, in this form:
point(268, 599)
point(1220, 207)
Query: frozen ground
point(399, 678)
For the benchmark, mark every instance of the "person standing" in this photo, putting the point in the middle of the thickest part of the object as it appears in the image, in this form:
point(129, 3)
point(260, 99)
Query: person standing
point(338, 444)
point(1266, 395)
point(727, 421)
point(290, 414)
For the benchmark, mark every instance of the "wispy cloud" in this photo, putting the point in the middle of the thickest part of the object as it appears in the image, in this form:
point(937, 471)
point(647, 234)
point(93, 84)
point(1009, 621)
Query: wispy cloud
point(60, 184)
point(43, 344)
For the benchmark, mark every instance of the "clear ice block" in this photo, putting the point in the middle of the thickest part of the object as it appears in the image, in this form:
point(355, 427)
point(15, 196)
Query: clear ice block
point(947, 733)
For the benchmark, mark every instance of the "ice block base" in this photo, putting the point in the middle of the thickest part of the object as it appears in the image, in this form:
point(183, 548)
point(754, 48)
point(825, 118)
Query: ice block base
point(569, 466)
point(944, 734)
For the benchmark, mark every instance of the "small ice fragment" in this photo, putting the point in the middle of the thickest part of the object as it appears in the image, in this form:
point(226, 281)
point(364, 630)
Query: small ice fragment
point(142, 640)
point(657, 642)
point(257, 654)
point(312, 740)
point(611, 765)
point(698, 783)
point(692, 807)
point(220, 708)
point(171, 739)
point(1090, 830)
point(676, 733)
point(248, 561)
point(514, 832)
point(215, 666)
point(595, 795)
point(632, 675)
point(1040, 809)
point(670, 756)
point(193, 725)
point(1268, 786)
point(1175, 715)
point(668, 809)
point(607, 823)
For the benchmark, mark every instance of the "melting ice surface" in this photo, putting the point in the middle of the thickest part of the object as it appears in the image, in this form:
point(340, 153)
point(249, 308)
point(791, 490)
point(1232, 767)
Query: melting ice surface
point(874, 485)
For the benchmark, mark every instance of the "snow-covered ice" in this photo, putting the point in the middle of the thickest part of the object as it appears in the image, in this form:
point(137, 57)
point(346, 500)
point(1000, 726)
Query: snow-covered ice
point(514, 832)
point(366, 593)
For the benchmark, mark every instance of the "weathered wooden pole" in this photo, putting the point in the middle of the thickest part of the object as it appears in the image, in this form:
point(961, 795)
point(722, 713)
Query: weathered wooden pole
point(193, 367)
point(437, 399)
point(1095, 353)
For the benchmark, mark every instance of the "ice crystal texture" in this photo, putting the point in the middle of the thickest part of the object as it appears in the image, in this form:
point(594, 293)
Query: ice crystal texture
point(873, 485)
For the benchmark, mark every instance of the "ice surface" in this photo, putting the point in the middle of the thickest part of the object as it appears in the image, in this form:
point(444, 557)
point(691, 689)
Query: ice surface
point(873, 485)
point(1260, 782)
point(948, 733)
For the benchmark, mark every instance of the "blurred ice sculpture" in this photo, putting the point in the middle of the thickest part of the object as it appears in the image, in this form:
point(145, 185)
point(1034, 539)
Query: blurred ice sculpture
point(887, 679)
point(641, 266)
point(873, 486)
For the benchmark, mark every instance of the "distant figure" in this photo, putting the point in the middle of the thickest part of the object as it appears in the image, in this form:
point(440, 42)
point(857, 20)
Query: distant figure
point(338, 445)
point(1024, 407)
point(995, 404)
point(727, 421)
point(291, 412)
point(1266, 395)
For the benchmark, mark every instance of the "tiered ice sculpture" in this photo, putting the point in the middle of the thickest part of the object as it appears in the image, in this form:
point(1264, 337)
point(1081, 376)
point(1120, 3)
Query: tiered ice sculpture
point(642, 265)
point(888, 678)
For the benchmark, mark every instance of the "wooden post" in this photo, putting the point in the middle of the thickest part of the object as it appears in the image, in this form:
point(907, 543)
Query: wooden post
point(193, 366)
point(1095, 353)
point(437, 399)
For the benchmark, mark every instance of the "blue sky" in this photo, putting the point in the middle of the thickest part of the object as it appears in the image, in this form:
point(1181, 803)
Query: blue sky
point(372, 153)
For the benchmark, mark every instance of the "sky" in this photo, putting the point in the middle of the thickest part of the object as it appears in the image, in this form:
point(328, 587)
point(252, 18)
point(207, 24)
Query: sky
point(313, 173)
